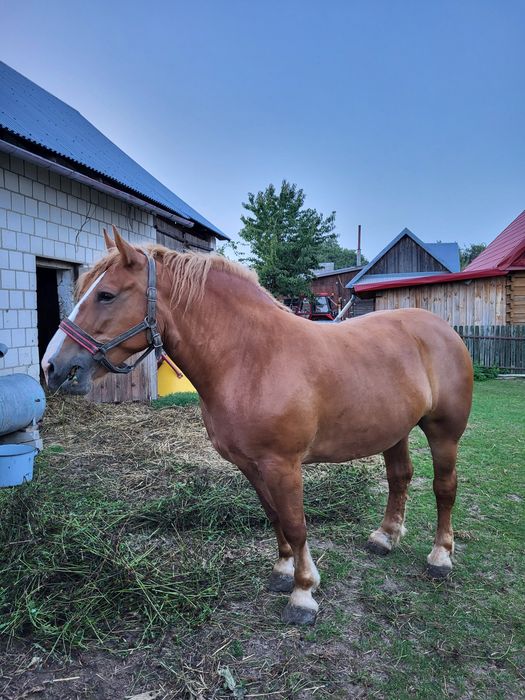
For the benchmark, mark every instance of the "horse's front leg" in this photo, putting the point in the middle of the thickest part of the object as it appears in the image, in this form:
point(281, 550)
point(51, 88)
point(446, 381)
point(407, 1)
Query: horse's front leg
point(282, 576)
point(284, 482)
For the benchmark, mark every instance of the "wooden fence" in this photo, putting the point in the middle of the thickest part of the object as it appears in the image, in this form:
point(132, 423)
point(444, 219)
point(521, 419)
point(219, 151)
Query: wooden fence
point(496, 346)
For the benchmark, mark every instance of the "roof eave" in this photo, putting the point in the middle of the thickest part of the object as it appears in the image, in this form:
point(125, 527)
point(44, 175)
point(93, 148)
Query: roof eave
point(44, 157)
point(340, 271)
point(418, 281)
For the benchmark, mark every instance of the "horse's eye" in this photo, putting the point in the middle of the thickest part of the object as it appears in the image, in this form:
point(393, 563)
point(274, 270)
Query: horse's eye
point(105, 296)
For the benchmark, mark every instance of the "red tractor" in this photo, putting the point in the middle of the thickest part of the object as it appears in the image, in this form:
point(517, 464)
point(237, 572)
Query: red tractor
point(318, 307)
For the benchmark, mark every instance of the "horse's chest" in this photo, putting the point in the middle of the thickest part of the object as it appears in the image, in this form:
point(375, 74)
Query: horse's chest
point(221, 438)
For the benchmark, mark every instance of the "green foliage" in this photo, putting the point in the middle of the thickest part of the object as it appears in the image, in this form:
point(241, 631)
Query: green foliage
point(185, 398)
point(481, 374)
point(285, 238)
point(469, 252)
point(331, 251)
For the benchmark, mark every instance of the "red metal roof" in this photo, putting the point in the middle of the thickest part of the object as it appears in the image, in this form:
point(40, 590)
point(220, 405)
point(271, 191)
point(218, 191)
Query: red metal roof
point(504, 251)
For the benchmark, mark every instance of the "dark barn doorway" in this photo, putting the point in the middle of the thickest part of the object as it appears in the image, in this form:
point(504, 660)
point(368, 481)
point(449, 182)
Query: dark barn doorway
point(55, 282)
point(48, 316)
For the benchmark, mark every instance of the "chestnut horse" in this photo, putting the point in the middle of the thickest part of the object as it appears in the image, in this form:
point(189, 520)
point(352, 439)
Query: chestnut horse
point(278, 391)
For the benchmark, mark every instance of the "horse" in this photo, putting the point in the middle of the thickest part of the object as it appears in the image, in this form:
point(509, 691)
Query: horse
point(278, 391)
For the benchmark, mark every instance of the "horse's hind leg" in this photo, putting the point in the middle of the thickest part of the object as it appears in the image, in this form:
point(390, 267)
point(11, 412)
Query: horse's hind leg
point(444, 446)
point(399, 473)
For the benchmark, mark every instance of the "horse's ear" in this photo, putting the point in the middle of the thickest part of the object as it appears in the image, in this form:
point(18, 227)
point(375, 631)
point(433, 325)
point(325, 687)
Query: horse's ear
point(110, 244)
point(130, 255)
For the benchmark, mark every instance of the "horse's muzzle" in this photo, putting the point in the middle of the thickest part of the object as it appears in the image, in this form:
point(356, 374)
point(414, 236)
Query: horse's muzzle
point(71, 376)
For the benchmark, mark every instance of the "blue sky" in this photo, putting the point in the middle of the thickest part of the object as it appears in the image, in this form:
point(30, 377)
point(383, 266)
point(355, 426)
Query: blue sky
point(393, 113)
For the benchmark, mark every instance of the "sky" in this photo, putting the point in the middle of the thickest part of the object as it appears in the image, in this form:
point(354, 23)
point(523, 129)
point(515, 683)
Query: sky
point(393, 113)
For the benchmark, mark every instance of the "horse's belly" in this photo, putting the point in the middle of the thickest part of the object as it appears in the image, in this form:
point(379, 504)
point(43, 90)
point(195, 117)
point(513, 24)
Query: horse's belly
point(361, 433)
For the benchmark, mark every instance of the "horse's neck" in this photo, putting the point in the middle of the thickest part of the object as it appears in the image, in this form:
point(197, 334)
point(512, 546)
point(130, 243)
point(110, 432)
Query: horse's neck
point(208, 339)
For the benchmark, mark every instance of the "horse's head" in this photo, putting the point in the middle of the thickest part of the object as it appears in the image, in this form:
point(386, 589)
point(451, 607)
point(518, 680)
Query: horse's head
point(112, 300)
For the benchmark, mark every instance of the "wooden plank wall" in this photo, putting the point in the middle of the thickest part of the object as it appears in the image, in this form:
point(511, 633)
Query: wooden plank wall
point(182, 239)
point(480, 302)
point(360, 307)
point(139, 385)
point(405, 256)
point(516, 297)
point(496, 346)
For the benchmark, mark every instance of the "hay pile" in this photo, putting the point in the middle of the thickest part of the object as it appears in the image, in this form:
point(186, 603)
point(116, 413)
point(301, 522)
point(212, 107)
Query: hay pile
point(132, 449)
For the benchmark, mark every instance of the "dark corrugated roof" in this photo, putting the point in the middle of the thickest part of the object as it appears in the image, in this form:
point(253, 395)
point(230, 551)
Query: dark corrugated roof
point(36, 115)
point(504, 250)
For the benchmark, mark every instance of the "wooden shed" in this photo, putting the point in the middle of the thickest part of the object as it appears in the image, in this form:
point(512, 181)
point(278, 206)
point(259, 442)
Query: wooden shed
point(405, 257)
point(334, 282)
point(485, 302)
point(489, 291)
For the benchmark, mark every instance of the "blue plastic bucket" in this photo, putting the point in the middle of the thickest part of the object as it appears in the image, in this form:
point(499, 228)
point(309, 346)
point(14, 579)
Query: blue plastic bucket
point(16, 464)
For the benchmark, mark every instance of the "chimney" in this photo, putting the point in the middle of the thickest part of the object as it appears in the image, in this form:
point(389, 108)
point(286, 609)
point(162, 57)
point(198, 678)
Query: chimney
point(358, 252)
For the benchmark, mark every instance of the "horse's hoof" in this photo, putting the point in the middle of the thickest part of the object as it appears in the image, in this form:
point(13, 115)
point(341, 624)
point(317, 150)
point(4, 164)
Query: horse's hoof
point(376, 548)
point(438, 572)
point(293, 615)
point(280, 583)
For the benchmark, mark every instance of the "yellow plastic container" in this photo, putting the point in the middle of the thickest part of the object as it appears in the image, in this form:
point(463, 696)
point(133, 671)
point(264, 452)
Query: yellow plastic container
point(169, 383)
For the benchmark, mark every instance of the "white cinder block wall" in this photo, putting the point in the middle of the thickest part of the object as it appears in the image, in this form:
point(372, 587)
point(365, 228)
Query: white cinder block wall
point(43, 214)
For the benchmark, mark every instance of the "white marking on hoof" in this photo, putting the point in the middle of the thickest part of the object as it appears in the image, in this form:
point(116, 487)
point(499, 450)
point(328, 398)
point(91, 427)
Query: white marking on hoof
point(396, 536)
point(439, 556)
point(284, 566)
point(382, 539)
point(302, 598)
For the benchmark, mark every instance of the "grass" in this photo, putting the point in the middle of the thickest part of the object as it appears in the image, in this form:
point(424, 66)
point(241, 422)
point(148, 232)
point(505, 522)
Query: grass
point(73, 562)
point(465, 635)
point(184, 398)
point(172, 565)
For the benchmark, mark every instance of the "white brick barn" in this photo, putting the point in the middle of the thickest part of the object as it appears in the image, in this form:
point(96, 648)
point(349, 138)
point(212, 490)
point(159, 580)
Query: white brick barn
point(61, 182)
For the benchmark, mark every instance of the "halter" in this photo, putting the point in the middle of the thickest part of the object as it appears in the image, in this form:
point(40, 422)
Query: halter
point(149, 324)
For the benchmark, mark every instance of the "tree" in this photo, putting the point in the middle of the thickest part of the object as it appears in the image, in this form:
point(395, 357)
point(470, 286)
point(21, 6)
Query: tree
point(469, 252)
point(285, 238)
point(331, 251)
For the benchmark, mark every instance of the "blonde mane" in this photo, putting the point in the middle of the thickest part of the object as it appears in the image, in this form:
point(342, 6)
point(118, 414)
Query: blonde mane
point(189, 272)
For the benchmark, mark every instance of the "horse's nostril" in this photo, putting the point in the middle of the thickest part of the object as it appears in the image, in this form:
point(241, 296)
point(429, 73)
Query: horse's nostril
point(50, 368)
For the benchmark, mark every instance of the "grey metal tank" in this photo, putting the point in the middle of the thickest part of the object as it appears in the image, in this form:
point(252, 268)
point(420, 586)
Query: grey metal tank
point(22, 400)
